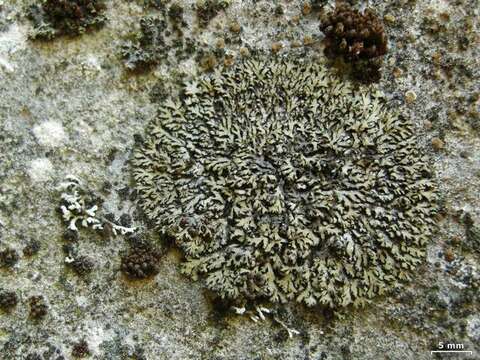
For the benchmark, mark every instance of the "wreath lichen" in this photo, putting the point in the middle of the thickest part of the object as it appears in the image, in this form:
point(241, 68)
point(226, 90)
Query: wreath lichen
point(279, 181)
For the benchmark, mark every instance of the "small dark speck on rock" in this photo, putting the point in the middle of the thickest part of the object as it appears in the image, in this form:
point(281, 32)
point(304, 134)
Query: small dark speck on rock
point(8, 300)
point(111, 155)
point(449, 255)
point(32, 248)
point(68, 249)
point(345, 349)
point(220, 308)
point(133, 195)
point(126, 220)
point(70, 236)
point(323, 356)
point(110, 217)
point(107, 231)
point(328, 314)
point(107, 186)
point(138, 354)
point(123, 193)
point(80, 349)
point(38, 308)
point(281, 336)
point(137, 138)
point(464, 154)
point(175, 13)
point(82, 265)
point(33, 356)
point(8, 258)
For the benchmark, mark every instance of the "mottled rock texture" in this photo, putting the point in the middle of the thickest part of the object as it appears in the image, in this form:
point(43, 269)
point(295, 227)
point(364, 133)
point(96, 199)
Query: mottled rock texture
point(78, 89)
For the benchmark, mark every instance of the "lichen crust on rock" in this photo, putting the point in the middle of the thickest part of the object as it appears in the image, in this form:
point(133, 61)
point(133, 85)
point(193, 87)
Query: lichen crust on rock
point(279, 181)
point(52, 18)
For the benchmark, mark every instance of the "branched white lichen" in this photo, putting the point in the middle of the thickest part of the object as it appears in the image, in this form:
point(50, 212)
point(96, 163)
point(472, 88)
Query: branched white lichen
point(279, 181)
point(260, 314)
point(239, 310)
point(77, 208)
point(291, 332)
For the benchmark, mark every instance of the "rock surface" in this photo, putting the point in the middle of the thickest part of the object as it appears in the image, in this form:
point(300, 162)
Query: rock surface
point(73, 106)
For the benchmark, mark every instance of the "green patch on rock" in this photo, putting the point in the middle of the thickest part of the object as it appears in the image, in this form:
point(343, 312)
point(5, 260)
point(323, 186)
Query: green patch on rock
point(52, 18)
point(281, 182)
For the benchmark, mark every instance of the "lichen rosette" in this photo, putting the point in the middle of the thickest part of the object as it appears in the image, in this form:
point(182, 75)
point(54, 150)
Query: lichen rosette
point(280, 181)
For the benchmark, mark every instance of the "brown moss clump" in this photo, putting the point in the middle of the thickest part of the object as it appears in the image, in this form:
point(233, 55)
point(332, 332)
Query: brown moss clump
point(80, 349)
point(175, 13)
point(279, 10)
point(38, 307)
point(8, 300)
point(357, 38)
point(354, 35)
point(141, 261)
point(66, 17)
point(8, 258)
point(82, 265)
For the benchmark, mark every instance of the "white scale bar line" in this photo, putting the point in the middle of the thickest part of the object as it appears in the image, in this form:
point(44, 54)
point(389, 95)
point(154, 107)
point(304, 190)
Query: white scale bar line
point(451, 351)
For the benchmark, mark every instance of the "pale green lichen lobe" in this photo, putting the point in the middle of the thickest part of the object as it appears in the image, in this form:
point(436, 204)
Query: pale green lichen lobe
point(279, 181)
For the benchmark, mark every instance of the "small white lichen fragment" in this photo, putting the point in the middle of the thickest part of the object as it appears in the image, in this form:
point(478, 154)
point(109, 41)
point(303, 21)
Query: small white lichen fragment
point(238, 310)
point(77, 210)
point(40, 170)
point(50, 133)
point(10, 42)
point(473, 327)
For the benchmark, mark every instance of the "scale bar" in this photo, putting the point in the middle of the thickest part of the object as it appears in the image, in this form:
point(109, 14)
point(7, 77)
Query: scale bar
point(451, 351)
